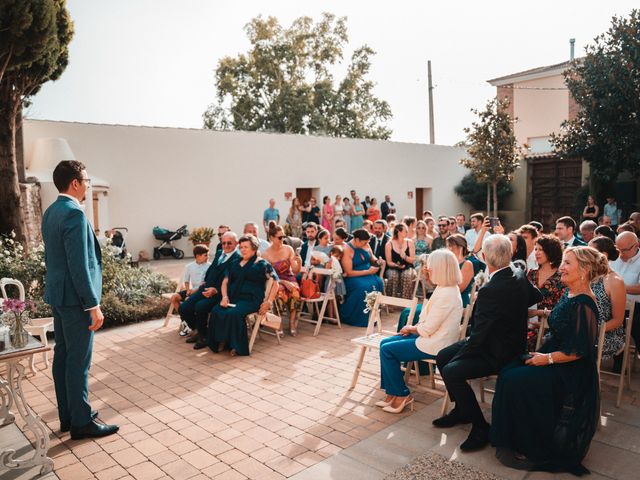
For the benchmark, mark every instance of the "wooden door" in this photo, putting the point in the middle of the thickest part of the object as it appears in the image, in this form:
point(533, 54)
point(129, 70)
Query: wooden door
point(303, 194)
point(419, 202)
point(554, 183)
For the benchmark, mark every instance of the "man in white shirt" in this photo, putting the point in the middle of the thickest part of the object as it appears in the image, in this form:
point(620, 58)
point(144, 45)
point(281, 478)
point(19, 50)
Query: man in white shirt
point(627, 266)
point(252, 229)
point(634, 219)
point(530, 234)
point(565, 231)
point(612, 211)
point(473, 233)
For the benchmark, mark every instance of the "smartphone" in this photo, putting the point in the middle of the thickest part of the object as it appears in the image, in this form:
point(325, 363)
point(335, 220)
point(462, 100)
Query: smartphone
point(494, 222)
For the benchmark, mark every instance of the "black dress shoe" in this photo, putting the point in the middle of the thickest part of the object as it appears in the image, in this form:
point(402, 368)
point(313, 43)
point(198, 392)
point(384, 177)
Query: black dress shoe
point(451, 419)
point(65, 427)
point(200, 344)
point(477, 439)
point(193, 339)
point(93, 429)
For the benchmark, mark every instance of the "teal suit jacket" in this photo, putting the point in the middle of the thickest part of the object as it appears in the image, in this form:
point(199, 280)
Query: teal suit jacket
point(72, 255)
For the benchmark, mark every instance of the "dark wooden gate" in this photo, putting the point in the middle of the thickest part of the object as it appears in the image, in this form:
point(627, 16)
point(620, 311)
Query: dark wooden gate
point(554, 183)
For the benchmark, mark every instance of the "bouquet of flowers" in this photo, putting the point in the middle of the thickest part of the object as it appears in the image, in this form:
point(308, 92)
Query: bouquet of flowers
point(15, 314)
point(481, 279)
point(370, 300)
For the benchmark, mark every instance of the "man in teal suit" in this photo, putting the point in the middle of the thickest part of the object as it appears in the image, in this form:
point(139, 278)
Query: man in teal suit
point(73, 287)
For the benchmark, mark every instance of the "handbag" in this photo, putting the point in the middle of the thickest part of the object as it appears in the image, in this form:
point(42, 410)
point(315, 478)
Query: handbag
point(309, 288)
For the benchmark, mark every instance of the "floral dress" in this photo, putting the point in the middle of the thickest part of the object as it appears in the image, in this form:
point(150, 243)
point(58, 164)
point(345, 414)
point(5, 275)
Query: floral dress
point(613, 339)
point(552, 290)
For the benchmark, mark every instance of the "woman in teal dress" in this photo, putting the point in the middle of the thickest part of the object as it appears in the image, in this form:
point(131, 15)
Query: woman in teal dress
point(357, 215)
point(545, 412)
point(359, 278)
point(243, 292)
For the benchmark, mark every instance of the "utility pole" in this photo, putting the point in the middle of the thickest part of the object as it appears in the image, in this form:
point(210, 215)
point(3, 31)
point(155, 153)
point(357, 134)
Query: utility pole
point(432, 135)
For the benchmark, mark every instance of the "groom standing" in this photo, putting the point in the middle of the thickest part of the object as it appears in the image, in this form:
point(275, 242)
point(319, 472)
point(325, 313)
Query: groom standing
point(73, 287)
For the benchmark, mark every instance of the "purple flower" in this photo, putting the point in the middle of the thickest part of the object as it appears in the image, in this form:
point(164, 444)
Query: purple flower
point(14, 306)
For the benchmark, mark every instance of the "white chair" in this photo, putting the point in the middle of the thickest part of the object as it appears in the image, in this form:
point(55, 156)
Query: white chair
point(375, 334)
point(172, 312)
point(319, 305)
point(262, 323)
point(625, 372)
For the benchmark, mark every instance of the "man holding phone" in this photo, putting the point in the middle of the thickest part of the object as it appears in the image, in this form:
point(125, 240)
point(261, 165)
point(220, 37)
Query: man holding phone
point(73, 287)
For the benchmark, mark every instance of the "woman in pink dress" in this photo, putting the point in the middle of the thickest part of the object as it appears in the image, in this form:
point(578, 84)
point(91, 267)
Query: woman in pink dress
point(327, 214)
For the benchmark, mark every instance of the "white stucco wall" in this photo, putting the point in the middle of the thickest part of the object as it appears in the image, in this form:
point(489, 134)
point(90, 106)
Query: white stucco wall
point(169, 177)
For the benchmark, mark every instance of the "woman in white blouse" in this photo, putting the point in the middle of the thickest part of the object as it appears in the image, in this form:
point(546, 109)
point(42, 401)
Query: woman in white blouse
point(439, 327)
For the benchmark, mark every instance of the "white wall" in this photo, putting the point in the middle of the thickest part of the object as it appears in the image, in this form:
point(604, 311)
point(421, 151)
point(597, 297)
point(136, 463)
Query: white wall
point(169, 177)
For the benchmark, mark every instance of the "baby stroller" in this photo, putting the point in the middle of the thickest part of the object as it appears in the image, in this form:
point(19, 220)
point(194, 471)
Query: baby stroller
point(166, 237)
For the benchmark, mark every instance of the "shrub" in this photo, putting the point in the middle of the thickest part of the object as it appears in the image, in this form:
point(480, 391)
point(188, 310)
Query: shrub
point(128, 294)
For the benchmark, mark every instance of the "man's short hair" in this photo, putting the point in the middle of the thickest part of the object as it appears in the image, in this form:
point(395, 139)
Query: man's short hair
point(477, 216)
point(66, 172)
point(391, 217)
point(427, 212)
point(230, 234)
point(497, 251)
point(224, 226)
point(567, 221)
point(589, 226)
point(382, 222)
point(461, 215)
point(311, 225)
point(530, 229)
point(200, 250)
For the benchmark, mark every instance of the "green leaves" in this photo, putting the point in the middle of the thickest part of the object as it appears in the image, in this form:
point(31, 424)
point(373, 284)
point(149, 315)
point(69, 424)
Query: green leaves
point(284, 83)
point(605, 84)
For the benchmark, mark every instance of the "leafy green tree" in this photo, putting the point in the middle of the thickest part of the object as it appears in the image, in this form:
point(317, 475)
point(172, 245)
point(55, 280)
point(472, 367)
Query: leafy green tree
point(494, 153)
point(284, 83)
point(34, 39)
point(474, 193)
point(605, 83)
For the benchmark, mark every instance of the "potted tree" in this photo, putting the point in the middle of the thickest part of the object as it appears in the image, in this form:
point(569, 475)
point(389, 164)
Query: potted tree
point(201, 236)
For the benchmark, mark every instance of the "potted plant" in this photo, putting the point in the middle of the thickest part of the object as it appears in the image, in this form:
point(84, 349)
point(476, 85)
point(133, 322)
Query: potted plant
point(201, 236)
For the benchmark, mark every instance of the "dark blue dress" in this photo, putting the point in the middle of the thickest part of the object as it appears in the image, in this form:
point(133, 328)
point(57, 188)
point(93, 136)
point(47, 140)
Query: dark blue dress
point(352, 310)
point(550, 413)
point(246, 289)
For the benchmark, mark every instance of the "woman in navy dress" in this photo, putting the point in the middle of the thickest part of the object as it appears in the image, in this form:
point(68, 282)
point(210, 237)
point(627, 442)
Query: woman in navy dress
point(545, 412)
point(243, 292)
point(359, 279)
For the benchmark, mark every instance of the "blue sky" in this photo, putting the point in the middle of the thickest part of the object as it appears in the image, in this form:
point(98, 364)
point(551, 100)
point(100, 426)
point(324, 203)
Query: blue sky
point(151, 62)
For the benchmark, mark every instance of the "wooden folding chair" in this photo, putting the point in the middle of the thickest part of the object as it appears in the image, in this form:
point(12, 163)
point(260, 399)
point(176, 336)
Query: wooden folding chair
point(625, 372)
point(544, 324)
point(265, 322)
point(319, 305)
point(172, 312)
point(375, 334)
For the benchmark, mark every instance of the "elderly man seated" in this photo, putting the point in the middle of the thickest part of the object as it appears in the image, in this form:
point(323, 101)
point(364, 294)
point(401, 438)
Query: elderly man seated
point(252, 229)
point(498, 336)
point(195, 309)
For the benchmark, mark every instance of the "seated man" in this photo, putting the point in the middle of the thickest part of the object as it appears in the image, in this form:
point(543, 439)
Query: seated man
point(192, 278)
point(498, 336)
point(252, 229)
point(195, 309)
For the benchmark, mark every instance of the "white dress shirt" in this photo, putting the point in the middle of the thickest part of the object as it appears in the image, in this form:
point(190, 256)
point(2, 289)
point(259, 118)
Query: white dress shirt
point(630, 273)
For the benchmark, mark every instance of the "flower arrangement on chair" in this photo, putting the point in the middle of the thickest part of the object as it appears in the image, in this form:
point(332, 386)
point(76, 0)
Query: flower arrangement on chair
point(370, 300)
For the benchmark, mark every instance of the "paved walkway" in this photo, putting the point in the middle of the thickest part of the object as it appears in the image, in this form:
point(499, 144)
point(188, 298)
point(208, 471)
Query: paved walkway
point(285, 411)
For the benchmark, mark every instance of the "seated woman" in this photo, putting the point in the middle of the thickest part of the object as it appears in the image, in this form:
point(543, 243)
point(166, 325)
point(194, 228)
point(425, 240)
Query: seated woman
point(611, 300)
point(456, 244)
point(439, 327)
point(286, 264)
point(400, 255)
point(545, 412)
point(546, 278)
point(243, 292)
point(421, 241)
point(360, 279)
point(519, 248)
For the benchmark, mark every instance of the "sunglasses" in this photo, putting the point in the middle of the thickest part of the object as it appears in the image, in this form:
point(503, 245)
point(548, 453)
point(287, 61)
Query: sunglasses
point(280, 237)
point(442, 225)
point(227, 243)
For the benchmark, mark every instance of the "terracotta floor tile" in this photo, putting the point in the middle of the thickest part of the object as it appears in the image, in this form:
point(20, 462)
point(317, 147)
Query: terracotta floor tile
point(128, 457)
point(145, 471)
point(76, 471)
point(180, 469)
point(114, 473)
point(232, 456)
point(99, 461)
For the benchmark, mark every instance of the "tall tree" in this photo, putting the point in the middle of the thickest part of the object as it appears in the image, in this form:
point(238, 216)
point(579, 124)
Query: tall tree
point(284, 83)
point(605, 84)
point(494, 153)
point(34, 39)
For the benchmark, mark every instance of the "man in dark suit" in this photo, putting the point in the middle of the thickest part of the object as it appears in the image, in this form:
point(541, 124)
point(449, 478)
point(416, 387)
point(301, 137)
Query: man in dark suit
point(196, 308)
point(565, 231)
point(379, 239)
point(307, 246)
point(387, 207)
point(498, 336)
point(73, 288)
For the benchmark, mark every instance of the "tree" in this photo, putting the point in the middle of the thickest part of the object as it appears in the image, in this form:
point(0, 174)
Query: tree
point(34, 39)
point(474, 193)
point(492, 147)
point(605, 84)
point(284, 83)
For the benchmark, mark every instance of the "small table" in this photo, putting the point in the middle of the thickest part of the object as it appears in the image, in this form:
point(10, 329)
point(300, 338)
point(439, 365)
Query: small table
point(11, 393)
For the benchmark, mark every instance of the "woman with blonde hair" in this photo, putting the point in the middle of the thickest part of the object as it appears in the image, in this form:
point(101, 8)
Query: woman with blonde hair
point(545, 411)
point(439, 327)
